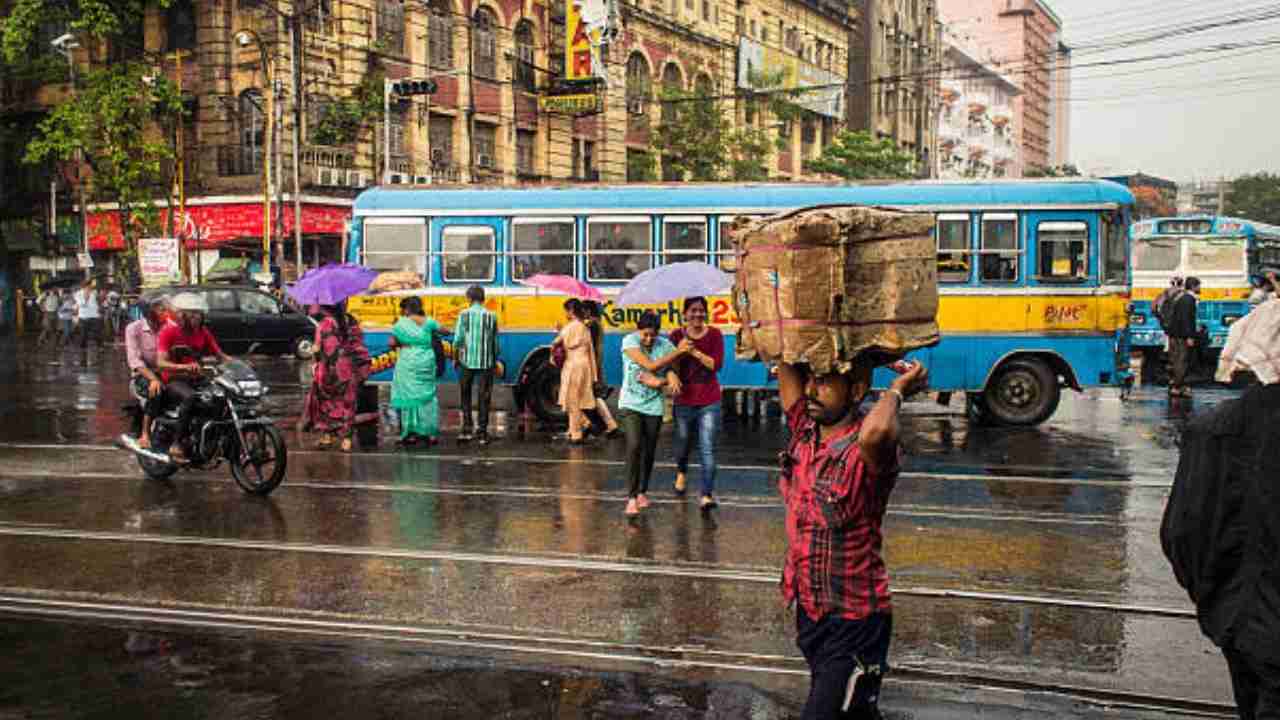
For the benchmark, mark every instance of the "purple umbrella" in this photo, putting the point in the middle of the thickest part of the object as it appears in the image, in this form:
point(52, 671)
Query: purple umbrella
point(673, 282)
point(331, 284)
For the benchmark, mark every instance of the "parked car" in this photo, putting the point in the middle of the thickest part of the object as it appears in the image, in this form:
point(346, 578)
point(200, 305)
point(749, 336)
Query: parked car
point(241, 316)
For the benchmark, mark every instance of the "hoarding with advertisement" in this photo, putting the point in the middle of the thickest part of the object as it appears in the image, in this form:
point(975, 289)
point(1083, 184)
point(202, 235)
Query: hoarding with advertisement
point(158, 261)
point(758, 67)
point(586, 25)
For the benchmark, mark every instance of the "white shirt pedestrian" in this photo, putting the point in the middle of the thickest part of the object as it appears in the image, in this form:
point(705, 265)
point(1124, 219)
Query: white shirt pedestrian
point(87, 301)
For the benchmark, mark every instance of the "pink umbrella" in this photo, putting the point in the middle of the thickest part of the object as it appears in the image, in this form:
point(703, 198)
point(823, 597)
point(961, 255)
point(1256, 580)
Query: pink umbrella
point(565, 285)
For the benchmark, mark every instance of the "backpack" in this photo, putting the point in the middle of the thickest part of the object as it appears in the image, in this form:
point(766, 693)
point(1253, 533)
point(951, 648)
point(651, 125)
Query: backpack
point(1162, 308)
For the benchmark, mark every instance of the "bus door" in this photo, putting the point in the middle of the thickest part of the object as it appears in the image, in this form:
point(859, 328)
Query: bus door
point(1063, 252)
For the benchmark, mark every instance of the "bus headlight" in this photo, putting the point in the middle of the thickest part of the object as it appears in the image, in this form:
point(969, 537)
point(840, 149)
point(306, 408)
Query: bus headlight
point(1136, 319)
point(1228, 320)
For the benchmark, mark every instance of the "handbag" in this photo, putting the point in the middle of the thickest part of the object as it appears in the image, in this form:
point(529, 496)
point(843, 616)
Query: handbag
point(437, 347)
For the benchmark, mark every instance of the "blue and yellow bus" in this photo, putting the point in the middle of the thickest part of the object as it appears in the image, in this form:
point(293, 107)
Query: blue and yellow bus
point(1033, 274)
point(1225, 253)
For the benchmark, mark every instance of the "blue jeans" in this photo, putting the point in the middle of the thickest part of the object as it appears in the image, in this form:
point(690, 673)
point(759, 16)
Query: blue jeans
point(707, 418)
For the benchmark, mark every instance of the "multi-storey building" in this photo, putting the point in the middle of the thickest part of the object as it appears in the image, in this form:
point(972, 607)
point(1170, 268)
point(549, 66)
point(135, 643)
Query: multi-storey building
point(1200, 197)
point(502, 111)
point(977, 131)
point(1024, 39)
point(893, 74)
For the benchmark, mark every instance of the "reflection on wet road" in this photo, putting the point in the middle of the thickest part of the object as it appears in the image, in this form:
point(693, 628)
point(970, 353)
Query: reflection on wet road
point(1023, 560)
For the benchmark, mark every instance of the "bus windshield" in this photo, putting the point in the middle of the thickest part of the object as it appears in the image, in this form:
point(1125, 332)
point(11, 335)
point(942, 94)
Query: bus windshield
point(1215, 255)
point(1161, 254)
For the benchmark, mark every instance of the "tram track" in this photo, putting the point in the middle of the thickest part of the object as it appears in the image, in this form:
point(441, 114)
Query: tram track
point(571, 650)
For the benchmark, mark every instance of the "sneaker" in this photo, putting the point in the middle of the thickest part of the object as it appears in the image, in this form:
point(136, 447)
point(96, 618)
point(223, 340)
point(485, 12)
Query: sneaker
point(633, 507)
point(483, 437)
point(642, 501)
point(708, 503)
point(465, 435)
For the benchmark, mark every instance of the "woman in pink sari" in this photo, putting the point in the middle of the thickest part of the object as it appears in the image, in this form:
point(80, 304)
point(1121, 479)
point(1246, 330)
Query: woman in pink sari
point(342, 365)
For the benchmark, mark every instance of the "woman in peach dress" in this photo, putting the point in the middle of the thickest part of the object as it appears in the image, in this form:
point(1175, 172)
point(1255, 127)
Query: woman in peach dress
point(578, 372)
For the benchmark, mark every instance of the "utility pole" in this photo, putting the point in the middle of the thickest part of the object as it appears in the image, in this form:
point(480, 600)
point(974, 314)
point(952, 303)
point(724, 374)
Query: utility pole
point(295, 22)
point(65, 44)
point(386, 131)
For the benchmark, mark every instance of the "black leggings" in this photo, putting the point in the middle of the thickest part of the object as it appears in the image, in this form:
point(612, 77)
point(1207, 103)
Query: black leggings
point(642, 444)
point(181, 394)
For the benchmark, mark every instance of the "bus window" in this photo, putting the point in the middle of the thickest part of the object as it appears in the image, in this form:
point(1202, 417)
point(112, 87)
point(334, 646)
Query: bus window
point(468, 253)
point(1216, 256)
point(683, 239)
point(1115, 256)
point(954, 255)
point(1157, 254)
point(543, 245)
point(726, 254)
point(396, 244)
point(1063, 251)
point(617, 247)
point(999, 248)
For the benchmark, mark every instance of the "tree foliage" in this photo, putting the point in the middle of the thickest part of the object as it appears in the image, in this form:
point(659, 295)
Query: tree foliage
point(341, 121)
point(119, 21)
point(1256, 197)
point(123, 125)
point(1044, 171)
point(1150, 203)
point(858, 155)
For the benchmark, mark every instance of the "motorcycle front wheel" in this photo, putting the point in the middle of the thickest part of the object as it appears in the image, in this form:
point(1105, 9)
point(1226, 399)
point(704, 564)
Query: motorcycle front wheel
point(259, 467)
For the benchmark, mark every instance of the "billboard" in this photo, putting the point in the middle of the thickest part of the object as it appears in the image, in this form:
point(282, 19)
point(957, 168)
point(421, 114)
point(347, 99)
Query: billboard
point(585, 24)
point(158, 261)
point(758, 67)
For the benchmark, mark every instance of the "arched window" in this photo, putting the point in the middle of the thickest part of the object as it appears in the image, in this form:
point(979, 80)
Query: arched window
point(484, 44)
point(440, 35)
point(180, 25)
point(639, 91)
point(525, 78)
point(251, 129)
point(671, 82)
point(391, 26)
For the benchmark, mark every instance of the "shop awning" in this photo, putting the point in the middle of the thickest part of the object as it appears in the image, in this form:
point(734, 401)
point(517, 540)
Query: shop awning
point(220, 223)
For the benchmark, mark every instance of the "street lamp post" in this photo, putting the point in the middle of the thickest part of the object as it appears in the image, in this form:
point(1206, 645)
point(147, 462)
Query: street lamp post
point(244, 37)
point(65, 44)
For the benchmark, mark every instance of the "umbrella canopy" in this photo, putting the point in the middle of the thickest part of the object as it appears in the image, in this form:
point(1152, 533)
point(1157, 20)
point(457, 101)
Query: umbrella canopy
point(331, 284)
point(565, 285)
point(673, 282)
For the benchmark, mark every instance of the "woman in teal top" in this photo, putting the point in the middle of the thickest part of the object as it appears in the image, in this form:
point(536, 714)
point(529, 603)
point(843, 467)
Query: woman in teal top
point(646, 375)
point(413, 387)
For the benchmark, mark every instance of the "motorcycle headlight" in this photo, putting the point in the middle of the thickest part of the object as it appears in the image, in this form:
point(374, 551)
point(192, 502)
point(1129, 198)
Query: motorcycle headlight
point(251, 388)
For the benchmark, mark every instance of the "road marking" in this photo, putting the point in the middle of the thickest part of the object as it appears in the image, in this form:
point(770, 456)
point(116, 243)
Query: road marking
point(674, 657)
point(703, 572)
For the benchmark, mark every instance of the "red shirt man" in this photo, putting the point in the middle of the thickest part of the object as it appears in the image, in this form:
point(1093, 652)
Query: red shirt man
point(837, 474)
point(198, 339)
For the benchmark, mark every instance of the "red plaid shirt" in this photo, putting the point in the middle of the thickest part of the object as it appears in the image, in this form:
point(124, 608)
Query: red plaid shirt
point(834, 510)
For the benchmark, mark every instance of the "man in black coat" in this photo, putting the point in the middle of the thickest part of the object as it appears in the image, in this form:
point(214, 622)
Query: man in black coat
point(1221, 527)
point(1182, 329)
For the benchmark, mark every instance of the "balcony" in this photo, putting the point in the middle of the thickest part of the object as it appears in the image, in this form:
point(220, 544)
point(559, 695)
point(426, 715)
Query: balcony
point(328, 166)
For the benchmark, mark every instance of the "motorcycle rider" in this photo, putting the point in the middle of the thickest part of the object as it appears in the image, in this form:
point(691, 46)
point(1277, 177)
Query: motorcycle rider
point(191, 335)
point(141, 349)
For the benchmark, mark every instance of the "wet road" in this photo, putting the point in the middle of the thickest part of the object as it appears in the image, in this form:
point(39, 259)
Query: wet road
point(1026, 564)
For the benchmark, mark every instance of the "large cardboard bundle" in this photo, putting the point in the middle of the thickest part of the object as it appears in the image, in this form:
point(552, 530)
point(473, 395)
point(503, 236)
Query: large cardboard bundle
point(822, 285)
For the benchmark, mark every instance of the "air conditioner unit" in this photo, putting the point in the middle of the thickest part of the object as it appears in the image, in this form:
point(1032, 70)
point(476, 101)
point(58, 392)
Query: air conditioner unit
point(439, 156)
point(635, 107)
point(397, 179)
point(421, 179)
point(357, 179)
point(328, 177)
point(484, 161)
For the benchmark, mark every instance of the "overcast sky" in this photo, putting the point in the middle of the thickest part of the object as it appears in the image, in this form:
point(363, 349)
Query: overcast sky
point(1195, 116)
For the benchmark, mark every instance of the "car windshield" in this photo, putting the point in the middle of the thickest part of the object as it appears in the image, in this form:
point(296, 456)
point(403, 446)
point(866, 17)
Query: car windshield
point(1156, 255)
point(1216, 255)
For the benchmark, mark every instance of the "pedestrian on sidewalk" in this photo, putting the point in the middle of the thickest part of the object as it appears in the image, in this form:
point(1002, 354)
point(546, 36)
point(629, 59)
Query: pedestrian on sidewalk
point(838, 470)
point(577, 371)
point(1221, 526)
point(89, 314)
point(601, 390)
point(646, 375)
point(48, 302)
point(413, 385)
point(476, 348)
point(67, 314)
point(341, 366)
point(1182, 330)
point(697, 407)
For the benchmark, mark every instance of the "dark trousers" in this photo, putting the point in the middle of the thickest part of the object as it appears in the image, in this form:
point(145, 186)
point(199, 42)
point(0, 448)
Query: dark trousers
point(1179, 361)
point(642, 444)
point(483, 382)
point(181, 394)
point(87, 326)
point(1256, 685)
point(842, 652)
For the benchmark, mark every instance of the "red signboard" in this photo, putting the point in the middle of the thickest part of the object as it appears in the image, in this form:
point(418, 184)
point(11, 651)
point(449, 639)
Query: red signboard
point(221, 223)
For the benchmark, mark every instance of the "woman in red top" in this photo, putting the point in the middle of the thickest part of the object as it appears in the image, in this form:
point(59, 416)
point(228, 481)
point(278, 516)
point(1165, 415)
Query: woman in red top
point(698, 404)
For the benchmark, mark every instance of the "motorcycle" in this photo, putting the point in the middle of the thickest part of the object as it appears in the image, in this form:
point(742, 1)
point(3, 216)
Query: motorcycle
point(225, 425)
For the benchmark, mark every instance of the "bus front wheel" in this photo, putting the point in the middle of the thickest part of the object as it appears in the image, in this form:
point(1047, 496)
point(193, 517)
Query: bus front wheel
point(1023, 393)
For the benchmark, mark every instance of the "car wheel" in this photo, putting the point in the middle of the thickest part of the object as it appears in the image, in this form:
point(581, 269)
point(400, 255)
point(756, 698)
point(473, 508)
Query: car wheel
point(304, 347)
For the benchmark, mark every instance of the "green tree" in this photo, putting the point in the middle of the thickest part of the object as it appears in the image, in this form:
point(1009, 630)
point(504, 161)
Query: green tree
point(121, 120)
point(1044, 171)
point(858, 155)
point(1255, 197)
point(118, 21)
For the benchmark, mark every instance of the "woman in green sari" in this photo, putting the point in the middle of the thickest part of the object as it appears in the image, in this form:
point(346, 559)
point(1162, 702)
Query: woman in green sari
point(413, 387)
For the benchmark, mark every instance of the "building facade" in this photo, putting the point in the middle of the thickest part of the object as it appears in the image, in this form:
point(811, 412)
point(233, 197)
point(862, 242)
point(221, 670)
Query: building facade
point(1201, 197)
point(1024, 40)
point(977, 128)
point(893, 78)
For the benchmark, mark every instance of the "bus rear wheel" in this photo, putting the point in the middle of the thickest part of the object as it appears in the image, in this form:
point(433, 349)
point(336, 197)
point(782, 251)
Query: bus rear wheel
point(1022, 393)
point(542, 392)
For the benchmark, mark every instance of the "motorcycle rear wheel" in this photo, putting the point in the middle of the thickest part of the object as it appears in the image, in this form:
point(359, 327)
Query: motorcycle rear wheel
point(154, 470)
point(260, 467)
